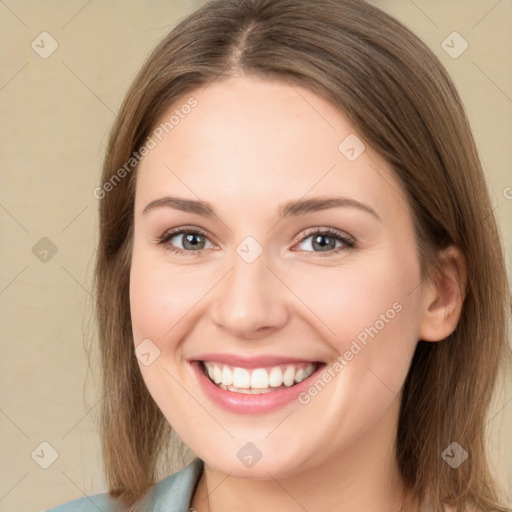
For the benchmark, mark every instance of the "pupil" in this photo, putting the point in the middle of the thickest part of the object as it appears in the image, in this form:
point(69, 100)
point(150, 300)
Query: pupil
point(322, 245)
point(189, 239)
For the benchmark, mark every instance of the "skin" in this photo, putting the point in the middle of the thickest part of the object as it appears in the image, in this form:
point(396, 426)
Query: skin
point(249, 146)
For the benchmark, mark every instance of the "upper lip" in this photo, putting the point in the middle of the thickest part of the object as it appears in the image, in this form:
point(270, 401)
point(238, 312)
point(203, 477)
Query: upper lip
point(261, 361)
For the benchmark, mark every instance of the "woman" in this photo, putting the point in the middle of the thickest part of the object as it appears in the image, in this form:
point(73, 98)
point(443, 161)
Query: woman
point(298, 271)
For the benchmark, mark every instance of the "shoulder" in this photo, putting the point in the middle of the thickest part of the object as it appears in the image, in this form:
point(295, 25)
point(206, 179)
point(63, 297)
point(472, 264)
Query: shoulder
point(103, 502)
point(173, 494)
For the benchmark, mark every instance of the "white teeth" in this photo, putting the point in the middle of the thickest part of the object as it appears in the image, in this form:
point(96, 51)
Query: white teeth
point(249, 391)
point(304, 373)
point(227, 376)
point(308, 371)
point(217, 375)
point(289, 376)
point(258, 380)
point(275, 379)
point(241, 378)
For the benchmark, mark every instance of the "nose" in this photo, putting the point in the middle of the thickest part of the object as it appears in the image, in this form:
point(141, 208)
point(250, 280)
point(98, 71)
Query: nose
point(250, 302)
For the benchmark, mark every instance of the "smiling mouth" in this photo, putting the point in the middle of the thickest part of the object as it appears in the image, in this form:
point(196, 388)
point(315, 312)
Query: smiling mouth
point(256, 381)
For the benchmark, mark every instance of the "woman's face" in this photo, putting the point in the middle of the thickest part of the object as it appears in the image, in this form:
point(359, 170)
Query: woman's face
point(245, 185)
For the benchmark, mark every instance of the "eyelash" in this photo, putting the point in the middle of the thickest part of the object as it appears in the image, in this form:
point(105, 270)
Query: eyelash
point(348, 243)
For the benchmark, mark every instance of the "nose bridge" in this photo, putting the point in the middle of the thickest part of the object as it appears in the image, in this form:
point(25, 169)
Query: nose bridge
point(249, 301)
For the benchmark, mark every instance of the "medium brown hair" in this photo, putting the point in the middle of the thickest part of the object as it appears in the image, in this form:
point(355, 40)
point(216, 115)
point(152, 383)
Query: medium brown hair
point(401, 101)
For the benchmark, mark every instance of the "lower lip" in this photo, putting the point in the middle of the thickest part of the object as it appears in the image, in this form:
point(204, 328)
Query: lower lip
point(243, 403)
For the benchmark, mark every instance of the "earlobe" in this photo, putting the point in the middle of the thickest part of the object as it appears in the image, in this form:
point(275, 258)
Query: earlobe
point(444, 297)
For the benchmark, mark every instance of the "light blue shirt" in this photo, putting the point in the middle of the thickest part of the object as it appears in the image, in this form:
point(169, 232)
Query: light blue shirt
point(172, 494)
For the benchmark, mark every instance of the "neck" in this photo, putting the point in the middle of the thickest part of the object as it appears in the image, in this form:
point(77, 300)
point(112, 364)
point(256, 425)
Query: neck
point(362, 476)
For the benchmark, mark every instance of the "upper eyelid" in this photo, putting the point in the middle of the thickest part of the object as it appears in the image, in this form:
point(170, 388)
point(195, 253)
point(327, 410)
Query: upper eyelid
point(300, 237)
point(311, 231)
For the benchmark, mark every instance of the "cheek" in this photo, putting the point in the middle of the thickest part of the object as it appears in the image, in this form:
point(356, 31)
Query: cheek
point(160, 296)
point(354, 300)
point(166, 303)
point(159, 300)
point(148, 302)
point(372, 320)
point(371, 316)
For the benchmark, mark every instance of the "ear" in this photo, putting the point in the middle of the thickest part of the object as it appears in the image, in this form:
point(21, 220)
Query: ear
point(443, 297)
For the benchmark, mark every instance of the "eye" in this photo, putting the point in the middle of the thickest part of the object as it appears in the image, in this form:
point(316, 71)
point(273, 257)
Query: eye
point(326, 241)
point(193, 241)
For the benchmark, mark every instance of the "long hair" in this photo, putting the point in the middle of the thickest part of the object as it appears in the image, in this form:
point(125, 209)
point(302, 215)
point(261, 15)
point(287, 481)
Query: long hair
point(401, 101)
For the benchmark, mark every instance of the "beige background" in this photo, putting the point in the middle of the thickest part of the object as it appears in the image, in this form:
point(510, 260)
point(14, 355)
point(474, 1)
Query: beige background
point(55, 116)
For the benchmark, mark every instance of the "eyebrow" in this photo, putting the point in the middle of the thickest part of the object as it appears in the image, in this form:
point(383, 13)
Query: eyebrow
point(288, 209)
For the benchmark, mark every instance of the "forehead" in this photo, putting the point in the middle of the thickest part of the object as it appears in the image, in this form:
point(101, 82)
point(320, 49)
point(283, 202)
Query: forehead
point(249, 137)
